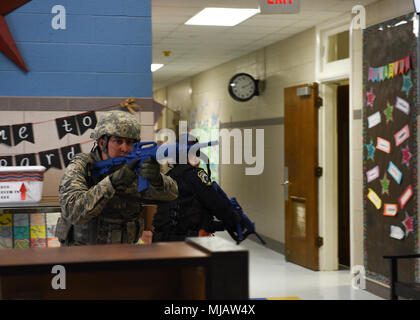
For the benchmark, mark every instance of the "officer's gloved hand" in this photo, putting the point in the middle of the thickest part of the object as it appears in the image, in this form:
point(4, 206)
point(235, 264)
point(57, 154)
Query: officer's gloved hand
point(150, 169)
point(232, 226)
point(124, 176)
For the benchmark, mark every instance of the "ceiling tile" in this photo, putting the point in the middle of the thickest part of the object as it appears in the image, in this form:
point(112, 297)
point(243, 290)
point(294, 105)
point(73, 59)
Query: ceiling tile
point(198, 48)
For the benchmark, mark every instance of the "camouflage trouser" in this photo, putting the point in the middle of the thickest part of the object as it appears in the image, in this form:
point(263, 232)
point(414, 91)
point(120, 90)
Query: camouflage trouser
point(115, 231)
point(103, 230)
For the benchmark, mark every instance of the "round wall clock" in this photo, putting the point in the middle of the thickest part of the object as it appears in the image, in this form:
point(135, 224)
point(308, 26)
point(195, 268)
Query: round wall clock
point(243, 87)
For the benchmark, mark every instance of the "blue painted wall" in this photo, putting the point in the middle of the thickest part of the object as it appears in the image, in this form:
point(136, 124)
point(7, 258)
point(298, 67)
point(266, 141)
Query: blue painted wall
point(105, 51)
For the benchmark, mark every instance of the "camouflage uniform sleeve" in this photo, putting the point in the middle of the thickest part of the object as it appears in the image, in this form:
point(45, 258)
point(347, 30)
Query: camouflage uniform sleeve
point(79, 203)
point(167, 192)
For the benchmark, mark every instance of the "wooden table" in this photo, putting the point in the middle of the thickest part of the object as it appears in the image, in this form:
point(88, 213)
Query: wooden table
point(200, 268)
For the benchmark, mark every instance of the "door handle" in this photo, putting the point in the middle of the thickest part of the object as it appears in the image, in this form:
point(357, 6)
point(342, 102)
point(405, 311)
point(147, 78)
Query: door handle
point(286, 183)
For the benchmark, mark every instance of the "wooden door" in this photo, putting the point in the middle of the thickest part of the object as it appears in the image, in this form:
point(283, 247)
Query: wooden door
point(301, 162)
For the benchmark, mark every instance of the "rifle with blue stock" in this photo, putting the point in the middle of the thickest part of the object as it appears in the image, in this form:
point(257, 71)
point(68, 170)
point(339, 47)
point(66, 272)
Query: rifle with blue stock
point(143, 151)
point(245, 223)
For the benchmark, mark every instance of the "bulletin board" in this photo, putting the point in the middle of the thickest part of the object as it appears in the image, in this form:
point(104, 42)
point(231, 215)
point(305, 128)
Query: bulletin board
point(390, 147)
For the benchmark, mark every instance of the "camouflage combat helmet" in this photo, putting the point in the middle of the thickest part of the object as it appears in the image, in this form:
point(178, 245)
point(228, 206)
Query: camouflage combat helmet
point(117, 123)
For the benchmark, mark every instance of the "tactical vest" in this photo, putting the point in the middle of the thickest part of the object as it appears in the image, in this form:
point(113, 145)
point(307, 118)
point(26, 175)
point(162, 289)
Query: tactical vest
point(180, 218)
point(119, 222)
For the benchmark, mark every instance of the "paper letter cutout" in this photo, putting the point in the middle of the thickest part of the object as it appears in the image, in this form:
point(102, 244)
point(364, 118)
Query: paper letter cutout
point(402, 105)
point(395, 172)
point(406, 196)
point(390, 209)
point(383, 145)
point(372, 174)
point(374, 198)
point(402, 135)
point(397, 233)
point(374, 119)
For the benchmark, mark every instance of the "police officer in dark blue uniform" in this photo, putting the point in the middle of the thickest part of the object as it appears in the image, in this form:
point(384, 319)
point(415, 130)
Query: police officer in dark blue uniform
point(192, 214)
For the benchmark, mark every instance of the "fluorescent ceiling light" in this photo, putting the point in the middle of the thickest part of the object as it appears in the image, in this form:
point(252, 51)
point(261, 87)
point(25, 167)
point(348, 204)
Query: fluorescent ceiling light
point(156, 66)
point(221, 16)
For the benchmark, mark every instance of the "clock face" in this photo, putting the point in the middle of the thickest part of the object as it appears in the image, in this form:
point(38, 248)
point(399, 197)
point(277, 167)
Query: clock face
point(242, 87)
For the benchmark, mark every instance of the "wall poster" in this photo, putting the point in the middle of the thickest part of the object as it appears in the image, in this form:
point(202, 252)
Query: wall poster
point(390, 147)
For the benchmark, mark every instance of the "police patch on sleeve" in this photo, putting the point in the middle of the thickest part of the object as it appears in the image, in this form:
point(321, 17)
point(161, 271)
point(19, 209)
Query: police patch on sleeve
point(204, 177)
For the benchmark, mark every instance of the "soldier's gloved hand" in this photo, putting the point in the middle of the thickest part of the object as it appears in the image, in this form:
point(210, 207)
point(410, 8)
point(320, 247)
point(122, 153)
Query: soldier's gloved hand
point(150, 169)
point(124, 176)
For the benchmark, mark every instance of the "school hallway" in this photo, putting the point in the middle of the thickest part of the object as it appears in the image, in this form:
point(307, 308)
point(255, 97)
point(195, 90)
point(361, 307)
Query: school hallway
point(272, 277)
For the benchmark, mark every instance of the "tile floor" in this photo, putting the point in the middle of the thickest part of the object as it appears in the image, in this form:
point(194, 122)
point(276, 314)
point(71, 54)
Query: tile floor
point(272, 277)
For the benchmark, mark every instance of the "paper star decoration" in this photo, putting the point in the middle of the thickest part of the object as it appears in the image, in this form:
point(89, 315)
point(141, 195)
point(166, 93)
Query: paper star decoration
point(406, 156)
point(385, 185)
point(388, 112)
point(7, 44)
point(371, 150)
point(370, 98)
point(408, 224)
point(407, 83)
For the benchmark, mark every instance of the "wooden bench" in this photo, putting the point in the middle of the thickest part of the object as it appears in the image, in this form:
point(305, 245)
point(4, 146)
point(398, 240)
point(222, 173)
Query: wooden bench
point(402, 289)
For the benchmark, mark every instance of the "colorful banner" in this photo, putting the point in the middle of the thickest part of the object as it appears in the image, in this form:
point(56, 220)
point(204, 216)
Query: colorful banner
point(55, 158)
point(76, 125)
point(50, 159)
point(390, 70)
point(25, 159)
point(66, 125)
point(68, 153)
point(86, 121)
point(6, 161)
point(72, 124)
point(23, 132)
point(5, 136)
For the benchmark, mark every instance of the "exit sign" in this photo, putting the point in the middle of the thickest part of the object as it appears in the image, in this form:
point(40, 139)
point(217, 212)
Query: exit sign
point(279, 6)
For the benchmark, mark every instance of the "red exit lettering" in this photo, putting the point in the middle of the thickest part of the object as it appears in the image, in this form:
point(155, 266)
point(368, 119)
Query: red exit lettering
point(279, 1)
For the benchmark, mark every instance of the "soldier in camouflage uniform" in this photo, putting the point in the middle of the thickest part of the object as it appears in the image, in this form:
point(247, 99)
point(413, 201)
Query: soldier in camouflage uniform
point(107, 209)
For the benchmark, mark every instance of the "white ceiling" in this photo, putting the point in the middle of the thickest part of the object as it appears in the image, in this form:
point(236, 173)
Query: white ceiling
point(198, 48)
